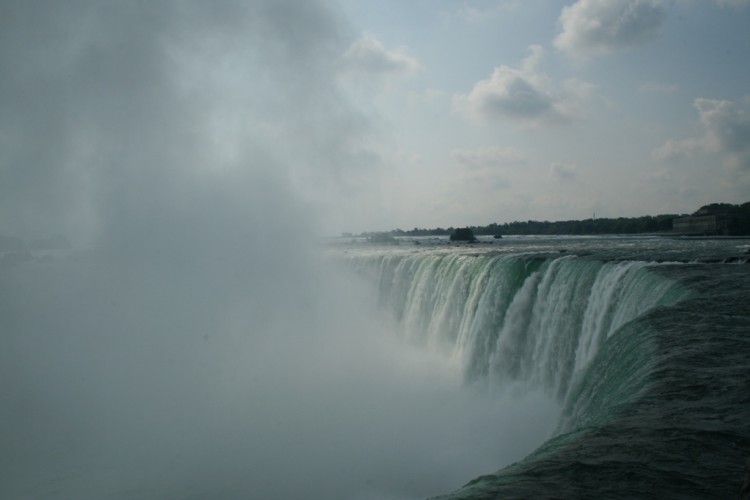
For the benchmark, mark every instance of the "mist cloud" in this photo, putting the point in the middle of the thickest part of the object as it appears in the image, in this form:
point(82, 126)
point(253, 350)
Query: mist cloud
point(119, 109)
point(201, 346)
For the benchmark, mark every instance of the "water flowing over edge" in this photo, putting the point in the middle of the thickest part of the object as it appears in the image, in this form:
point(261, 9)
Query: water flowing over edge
point(567, 325)
point(527, 318)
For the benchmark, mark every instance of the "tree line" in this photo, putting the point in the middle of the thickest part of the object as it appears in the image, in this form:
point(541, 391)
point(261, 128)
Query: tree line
point(739, 216)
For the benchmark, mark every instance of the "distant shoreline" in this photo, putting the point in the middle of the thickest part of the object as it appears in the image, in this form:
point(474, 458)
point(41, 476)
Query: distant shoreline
point(716, 219)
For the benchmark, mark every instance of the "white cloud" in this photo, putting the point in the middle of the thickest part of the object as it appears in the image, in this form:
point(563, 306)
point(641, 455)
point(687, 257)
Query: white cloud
point(510, 92)
point(524, 94)
point(592, 27)
point(726, 132)
point(368, 56)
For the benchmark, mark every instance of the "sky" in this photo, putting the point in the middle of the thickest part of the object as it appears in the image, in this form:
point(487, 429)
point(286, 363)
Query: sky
point(356, 115)
point(516, 110)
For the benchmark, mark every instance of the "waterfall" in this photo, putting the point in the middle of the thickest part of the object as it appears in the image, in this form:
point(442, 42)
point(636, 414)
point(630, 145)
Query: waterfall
point(529, 318)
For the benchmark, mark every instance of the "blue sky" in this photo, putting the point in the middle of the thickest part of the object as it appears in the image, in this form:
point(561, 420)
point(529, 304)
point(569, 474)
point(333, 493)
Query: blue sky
point(515, 110)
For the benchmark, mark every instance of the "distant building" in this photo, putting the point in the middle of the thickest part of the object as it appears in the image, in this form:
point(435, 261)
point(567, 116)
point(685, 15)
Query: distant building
point(716, 224)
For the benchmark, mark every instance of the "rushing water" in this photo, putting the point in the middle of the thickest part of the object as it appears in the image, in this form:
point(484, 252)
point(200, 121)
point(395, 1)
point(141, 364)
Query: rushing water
point(644, 343)
point(572, 367)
